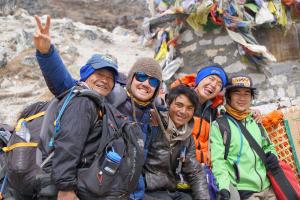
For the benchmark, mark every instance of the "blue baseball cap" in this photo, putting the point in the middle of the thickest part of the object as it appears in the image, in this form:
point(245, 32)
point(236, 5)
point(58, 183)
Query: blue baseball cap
point(212, 70)
point(98, 61)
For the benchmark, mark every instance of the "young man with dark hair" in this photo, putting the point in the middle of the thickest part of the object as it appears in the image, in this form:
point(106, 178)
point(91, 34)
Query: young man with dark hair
point(171, 169)
point(208, 83)
point(242, 167)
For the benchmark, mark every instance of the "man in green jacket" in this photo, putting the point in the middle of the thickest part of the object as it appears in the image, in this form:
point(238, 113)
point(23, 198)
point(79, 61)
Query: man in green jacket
point(242, 168)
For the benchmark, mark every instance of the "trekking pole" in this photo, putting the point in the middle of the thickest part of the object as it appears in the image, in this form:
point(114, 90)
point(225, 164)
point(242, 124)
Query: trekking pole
point(2, 187)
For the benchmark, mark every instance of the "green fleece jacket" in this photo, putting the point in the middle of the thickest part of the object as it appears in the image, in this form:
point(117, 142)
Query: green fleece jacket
point(252, 170)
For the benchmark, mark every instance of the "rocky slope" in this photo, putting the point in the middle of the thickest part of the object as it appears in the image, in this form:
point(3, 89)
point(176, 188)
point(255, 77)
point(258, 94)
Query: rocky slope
point(21, 82)
point(103, 13)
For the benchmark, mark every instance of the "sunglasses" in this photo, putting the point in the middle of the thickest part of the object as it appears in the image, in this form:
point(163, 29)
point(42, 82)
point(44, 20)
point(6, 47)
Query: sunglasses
point(142, 77)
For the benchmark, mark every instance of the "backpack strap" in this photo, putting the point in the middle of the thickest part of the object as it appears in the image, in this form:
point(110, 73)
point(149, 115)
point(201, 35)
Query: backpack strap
point(109, 121)
point(225, 132)
point(61, 111)
point(80, 92)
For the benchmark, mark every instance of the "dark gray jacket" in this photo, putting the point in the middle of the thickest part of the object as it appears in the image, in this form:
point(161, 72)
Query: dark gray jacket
point(76, 141)
point(162, 161)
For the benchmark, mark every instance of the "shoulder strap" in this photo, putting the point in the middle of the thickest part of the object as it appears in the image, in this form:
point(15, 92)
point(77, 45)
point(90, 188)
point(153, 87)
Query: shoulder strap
point(254, 145)
point(225, 132)
point(109, 120)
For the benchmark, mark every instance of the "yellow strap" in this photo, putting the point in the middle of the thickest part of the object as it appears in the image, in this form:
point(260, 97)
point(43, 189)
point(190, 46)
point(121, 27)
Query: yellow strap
point(20, 144)
point(32, 117)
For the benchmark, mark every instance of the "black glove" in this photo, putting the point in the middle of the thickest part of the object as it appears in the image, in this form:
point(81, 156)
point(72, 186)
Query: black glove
point(272, 162)
point(224, 195)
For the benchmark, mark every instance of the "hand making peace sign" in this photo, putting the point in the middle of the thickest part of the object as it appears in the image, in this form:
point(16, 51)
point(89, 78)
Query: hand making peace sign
point(42, 40)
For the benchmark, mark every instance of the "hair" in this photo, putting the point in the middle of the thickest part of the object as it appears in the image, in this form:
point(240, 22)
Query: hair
point(183, 90)
point(228, 91)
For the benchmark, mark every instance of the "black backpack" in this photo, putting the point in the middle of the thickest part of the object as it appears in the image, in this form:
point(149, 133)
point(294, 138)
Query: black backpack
point(118, 133)
point(18, 173)
point(126, 139)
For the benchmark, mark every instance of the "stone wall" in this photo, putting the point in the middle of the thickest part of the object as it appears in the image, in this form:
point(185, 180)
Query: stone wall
point(278, 83)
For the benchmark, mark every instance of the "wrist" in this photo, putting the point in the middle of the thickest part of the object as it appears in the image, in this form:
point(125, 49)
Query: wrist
point(46, 53)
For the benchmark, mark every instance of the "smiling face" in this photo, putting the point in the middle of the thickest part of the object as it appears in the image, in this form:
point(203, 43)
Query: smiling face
point(208, 88)
point(240, 99)
point(102, 81)
point(142, 91)
point(181, 110)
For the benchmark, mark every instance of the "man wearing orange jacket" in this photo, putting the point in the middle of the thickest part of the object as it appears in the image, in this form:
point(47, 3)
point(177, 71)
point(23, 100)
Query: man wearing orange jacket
point(208, 84)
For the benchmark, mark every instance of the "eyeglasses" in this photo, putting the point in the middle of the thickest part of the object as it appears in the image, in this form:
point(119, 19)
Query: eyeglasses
point(142, 77)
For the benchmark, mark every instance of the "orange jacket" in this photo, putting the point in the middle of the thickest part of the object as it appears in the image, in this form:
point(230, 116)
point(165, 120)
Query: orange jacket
point(202, 127)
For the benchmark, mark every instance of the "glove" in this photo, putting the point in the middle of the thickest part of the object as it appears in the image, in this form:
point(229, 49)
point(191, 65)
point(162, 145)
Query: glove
point(272, 162)
point(224, 195)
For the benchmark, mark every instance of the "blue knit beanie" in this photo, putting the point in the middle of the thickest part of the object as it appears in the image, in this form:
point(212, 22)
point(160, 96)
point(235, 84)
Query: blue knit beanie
point(98, 61)
point(212, 70)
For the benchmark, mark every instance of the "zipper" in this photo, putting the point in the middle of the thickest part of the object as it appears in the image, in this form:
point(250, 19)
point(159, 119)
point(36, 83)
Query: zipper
point(261, 183)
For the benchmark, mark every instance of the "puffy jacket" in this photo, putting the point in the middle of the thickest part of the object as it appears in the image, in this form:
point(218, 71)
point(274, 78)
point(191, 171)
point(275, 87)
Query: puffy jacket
point(202, 122)
point(252, 171)
point(162, 161)
point(57, 77)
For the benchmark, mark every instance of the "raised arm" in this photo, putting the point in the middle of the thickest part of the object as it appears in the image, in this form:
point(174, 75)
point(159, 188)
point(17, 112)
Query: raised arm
point(56, 75)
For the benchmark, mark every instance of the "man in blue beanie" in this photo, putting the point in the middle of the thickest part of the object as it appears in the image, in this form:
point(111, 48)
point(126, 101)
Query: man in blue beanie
point(210, 80)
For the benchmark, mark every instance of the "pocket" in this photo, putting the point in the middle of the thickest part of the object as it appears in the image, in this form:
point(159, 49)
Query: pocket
point(21, 167)
point(99, 178)
point(94, 179)
point(20, 159)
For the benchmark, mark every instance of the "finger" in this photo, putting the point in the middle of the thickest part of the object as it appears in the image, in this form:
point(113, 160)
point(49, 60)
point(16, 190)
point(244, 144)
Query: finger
point(38, 22)
point(37, 34)
point(47, 26)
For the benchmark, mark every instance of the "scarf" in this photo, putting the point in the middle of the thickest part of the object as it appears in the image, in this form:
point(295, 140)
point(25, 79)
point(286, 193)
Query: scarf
point(235, 113)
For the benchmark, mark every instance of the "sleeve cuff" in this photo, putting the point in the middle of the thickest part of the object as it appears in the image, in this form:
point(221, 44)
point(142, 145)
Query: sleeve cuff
point(51, 50)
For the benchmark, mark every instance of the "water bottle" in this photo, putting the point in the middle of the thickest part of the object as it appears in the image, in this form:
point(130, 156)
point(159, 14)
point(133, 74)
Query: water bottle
point(20, 155)
point(23, 132)
point(112, 162)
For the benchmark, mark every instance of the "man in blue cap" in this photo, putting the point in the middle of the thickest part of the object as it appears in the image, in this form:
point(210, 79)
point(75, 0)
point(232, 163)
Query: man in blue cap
point(134, 101)
point(78, 137)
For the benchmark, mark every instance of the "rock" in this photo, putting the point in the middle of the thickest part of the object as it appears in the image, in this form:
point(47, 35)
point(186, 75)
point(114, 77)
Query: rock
point(91, 35)
point(29, 61)
point(3, 58)
point(5, 83)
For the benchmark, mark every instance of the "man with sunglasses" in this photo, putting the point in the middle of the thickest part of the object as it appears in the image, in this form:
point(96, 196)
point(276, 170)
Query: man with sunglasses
point(135, 100)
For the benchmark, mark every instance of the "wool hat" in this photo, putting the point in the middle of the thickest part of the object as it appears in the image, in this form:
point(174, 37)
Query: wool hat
point(240, 81)
point(212, 70)
point(99, 61)
point(147, 65)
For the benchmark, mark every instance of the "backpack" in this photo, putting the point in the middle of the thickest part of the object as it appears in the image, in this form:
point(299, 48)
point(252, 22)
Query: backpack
point(118, 134)
point(21, 172)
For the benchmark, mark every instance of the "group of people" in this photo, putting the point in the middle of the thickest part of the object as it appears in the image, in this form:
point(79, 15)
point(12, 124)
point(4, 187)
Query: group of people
point(182, 137)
